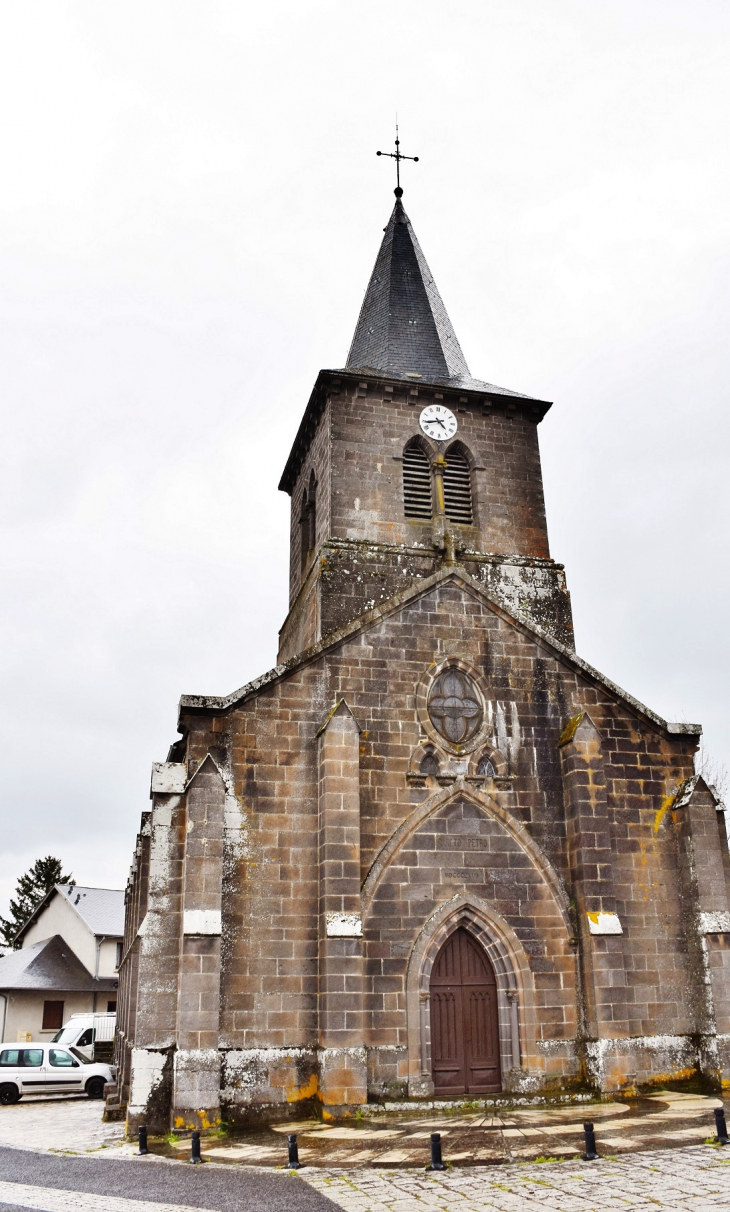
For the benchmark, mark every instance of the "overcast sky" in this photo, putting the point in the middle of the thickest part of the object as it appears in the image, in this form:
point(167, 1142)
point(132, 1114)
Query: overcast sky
point(190, 210)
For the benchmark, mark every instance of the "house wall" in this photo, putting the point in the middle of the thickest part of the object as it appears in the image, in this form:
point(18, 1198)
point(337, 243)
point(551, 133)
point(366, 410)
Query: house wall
point(25, 1012)
point(59, 917)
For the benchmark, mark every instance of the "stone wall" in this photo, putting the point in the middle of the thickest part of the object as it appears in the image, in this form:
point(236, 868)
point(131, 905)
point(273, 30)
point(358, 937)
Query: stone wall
point(357, 431)
point(348, 578)
point(492, 852)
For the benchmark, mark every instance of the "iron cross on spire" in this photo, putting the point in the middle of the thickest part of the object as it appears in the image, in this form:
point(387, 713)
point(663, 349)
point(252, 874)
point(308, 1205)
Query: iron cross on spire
point(397, 155)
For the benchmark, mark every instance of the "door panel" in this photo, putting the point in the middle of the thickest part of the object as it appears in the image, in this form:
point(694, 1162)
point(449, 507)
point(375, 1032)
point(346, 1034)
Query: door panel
point(464, 1019)
point(448, 1039)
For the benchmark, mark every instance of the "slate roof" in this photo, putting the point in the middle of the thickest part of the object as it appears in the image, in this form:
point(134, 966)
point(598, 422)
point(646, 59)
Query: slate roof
point(463, 382)
point(50, 965)
point(403, 325)
point(403, 334)
point(101, 909)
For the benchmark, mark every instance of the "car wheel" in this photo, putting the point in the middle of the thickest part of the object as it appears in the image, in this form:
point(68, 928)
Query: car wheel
point(9, 1095)
point(95, 1087)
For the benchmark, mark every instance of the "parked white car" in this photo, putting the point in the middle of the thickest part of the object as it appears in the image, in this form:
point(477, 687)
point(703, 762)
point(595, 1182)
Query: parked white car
point(49, 1069)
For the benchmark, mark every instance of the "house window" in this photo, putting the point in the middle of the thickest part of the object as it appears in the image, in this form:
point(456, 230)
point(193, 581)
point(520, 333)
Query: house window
point(52, 1016)
point(111, 1007)
point(416, 482)
point(457, 488)
point(118, 959)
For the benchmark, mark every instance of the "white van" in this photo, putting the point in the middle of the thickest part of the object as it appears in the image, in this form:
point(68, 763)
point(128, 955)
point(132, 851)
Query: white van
point(92, 1034)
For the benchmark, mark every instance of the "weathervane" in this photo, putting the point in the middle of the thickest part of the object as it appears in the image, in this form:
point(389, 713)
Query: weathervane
point(397, 155)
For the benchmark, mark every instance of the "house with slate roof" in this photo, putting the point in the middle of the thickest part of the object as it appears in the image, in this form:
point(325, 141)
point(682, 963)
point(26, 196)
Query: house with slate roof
point(433, 853)
point(67, 962)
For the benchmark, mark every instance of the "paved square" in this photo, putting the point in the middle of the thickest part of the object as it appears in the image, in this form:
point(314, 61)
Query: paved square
point(689, 1179)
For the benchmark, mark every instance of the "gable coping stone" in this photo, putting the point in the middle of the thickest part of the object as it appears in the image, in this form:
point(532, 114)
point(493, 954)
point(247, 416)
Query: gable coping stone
point(216, 703)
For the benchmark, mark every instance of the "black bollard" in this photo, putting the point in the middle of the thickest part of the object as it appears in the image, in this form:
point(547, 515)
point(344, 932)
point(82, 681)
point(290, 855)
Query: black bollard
point(436, 1158)
point(195, 1149)
point(590, 1153)
point(294, 1162)
point(142, 1136)
point(721, 1126)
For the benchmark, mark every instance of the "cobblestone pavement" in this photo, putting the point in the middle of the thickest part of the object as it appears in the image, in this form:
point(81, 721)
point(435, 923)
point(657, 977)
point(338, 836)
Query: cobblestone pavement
point(692, 1180)
point(63, 1125)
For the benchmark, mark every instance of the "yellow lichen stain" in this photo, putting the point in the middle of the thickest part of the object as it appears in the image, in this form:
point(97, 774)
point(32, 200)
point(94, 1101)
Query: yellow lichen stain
point(570, 729)
point(308, 1090)
point(663, 810)
point(593, 916)
point(204, 1122)
point(675, 1075)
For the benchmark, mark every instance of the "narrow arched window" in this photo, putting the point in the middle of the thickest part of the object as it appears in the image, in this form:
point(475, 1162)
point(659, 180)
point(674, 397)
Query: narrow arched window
point(308, 520)
point(429, 763)
point(457, 488)
point(416, 482)
point(486, 768)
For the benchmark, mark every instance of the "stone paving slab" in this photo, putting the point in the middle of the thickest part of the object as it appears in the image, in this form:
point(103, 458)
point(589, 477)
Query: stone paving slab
point(690, 1180)
point(64, 1125)
point(665, 1119)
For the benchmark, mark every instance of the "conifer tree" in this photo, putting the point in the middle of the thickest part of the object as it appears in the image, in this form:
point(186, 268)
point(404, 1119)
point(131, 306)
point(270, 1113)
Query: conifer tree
point(29, 892)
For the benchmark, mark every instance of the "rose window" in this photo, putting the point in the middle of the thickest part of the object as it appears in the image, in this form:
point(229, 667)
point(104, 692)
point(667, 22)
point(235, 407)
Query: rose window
point(454, 707)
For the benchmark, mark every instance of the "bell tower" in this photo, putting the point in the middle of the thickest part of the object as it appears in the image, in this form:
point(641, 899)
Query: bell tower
point(380, 497)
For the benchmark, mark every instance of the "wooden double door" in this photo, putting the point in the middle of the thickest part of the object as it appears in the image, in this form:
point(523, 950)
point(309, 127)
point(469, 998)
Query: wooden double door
point(464, 1019)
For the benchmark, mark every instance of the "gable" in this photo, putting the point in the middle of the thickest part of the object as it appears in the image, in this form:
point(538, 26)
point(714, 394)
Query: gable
point(457, 582)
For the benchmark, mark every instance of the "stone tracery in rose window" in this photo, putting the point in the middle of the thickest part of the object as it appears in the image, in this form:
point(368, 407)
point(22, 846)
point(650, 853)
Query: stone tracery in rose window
point(454, 706)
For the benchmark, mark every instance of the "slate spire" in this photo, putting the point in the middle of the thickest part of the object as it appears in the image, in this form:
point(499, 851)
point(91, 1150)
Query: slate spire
point(403, 326)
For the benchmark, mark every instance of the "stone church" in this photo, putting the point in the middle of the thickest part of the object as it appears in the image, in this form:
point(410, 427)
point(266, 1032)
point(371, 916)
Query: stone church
point(432, 853)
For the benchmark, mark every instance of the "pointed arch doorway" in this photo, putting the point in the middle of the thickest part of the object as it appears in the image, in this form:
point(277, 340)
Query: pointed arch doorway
point(464, 1019)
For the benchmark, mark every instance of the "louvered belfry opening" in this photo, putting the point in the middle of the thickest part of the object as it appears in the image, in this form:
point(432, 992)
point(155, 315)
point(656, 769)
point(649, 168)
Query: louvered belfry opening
point(416, 483)
point(457, 489)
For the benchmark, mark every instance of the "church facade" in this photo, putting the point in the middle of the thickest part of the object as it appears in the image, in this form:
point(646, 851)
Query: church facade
point(432, 853)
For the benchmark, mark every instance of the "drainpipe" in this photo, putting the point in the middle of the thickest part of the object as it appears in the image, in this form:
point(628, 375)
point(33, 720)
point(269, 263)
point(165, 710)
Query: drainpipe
point(5, 1015)
point(96, 969)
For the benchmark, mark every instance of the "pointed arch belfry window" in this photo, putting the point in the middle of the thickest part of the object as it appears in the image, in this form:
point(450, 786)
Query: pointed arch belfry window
point(457, 488)
point(417, 501)
point(308, 520)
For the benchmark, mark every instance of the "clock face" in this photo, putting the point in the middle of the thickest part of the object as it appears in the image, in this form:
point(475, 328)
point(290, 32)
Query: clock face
point(438, 422)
